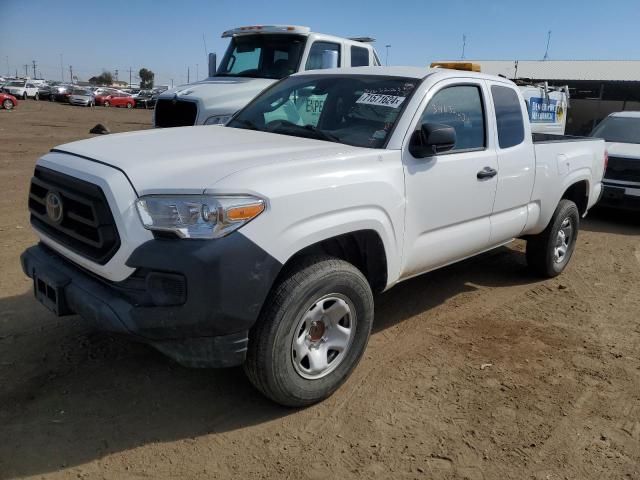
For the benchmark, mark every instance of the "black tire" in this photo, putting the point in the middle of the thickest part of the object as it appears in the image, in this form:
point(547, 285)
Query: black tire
point(129, 105)
point(107, 104)
point(52, 98)
point(542, 257)
point(270, 358)
point(8, 104)
point(24, 96)
point(36, 97)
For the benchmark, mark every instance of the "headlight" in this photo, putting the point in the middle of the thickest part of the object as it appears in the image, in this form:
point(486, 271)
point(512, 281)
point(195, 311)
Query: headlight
point(218, 119)
point(198, 216)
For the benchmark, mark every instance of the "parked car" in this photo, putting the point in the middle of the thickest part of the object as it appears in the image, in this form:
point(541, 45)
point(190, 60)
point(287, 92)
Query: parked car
point(7, 101)
point(82, 96)
point(118, 100)
point(22, 89)
point(61, 93)
point(145, 99)
point(257, 57)
point(621, 131)
point(44, 91)
point(262, 242)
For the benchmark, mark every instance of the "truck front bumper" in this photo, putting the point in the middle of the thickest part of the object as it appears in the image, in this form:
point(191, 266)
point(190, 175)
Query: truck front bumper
point(194, 300)
point(614, 196)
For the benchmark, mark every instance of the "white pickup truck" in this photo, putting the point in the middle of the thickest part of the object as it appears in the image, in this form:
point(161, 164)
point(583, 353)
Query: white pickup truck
point(262, 242)
point(621, 131)
point(257, 57)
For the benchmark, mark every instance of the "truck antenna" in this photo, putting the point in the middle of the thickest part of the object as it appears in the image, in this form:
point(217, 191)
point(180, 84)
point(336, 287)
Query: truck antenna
point(546, 52)
point(464, 45)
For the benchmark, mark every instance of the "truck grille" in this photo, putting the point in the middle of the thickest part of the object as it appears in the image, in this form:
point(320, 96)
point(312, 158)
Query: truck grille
point(84, 225)
point(625, 169)
point(175, 113)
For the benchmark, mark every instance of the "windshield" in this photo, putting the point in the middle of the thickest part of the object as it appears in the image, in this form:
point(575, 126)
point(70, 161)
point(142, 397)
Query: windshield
point(618, 129)
point(358, 110)
point(16, 84)
point(80, 91)
point(262, 56)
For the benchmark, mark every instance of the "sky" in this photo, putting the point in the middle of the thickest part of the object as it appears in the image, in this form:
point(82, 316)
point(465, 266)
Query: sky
point(166, 36)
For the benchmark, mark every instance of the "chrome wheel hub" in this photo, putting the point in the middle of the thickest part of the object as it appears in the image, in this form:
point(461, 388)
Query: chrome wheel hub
point(323, 336)
point(563, 241)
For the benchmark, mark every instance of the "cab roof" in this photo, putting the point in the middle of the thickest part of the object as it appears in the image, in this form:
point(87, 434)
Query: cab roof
point(409, 72)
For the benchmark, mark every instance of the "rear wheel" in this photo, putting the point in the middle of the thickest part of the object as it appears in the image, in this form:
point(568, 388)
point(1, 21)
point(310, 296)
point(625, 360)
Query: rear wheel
point(7, 104)
point(36, 96)
point(24, 96)
point(107, 104)
point(549, 252)
point(129, 105)
point(312, 333)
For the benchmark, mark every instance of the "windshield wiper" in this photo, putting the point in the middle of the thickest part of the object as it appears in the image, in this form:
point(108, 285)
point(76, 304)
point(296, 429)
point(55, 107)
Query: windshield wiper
point(247, 124)
point(284, 126)
point(321, 133)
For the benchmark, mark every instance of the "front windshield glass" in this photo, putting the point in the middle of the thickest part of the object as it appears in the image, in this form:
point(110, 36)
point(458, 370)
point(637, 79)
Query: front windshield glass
point(80, 91)
point(618, 129)
point(358, 110)
point(16, 84)
point(262, 56)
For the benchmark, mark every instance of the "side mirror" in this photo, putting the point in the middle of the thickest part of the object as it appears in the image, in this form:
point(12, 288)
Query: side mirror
point(212, 64)
point(431, 139)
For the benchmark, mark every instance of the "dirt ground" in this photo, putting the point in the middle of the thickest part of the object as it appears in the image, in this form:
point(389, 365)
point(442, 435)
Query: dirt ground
point(477, 371)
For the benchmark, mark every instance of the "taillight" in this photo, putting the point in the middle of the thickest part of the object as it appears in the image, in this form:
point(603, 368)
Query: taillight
point(606, 160)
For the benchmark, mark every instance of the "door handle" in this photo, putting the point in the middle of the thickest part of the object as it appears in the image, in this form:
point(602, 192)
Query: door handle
point(486, 172)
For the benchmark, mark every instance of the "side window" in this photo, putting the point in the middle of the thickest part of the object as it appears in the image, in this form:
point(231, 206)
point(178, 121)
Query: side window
point(359, 57)
point(323, 55)
point(508, 116)
point(30, 85)
point(460, 107)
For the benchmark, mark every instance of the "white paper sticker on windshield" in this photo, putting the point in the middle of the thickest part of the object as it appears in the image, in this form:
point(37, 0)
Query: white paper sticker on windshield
point(392, 101)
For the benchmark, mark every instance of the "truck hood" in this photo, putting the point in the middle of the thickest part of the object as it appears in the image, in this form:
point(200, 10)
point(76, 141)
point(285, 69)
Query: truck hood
point(192, 159)
point(626, 150)
point(221, 95)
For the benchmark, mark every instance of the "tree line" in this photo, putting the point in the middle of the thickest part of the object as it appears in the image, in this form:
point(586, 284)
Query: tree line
point(106, 78)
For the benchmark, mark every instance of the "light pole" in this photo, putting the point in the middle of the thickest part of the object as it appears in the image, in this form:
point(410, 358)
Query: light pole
point(386, 60)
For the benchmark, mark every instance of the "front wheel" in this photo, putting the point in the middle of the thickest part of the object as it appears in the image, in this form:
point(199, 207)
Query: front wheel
point(24, 96)
point(107, 104)
point(7, 104)
point(36, 97)
point(549, 252)
point(312, 332)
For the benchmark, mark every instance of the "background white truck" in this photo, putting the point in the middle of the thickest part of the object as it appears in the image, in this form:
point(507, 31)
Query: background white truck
point(262, 242)
point(257, 57)
point(621, 131)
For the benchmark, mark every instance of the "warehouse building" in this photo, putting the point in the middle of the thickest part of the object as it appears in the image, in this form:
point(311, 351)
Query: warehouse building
point(597, 87)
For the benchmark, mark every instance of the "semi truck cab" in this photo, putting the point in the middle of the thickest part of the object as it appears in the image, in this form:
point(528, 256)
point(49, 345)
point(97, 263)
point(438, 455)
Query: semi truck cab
point(257, 57)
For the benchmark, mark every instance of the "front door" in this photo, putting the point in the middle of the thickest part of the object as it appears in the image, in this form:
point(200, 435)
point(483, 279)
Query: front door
point(448, 204)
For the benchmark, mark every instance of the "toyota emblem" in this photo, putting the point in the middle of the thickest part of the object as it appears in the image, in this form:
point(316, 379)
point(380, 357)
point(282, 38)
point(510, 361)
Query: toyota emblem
point(54, 207)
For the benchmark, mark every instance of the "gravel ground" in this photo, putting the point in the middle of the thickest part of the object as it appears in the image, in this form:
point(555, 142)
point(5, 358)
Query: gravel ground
point(476, 371)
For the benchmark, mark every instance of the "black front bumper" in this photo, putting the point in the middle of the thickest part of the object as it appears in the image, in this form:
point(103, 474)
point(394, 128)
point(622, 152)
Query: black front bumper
point(194, 300)
point(615, 197)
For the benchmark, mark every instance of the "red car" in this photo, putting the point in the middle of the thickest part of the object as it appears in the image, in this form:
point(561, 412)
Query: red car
point(8, 102)
point(116, 100)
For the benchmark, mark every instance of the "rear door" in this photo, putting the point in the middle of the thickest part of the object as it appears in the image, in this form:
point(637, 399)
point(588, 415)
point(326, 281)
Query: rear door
point(516, 162)
point(448, 204)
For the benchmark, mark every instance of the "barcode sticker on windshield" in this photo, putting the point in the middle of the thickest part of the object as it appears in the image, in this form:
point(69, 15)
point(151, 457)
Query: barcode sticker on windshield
point(392, 101)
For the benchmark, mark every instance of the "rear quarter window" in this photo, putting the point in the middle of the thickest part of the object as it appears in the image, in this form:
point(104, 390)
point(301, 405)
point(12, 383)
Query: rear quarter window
point(508, 116)
point(359, 57)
